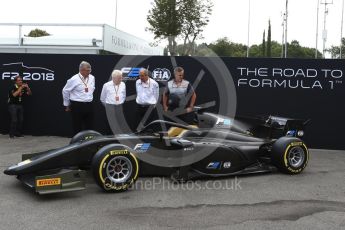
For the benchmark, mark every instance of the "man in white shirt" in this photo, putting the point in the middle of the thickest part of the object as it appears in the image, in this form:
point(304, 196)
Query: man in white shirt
point(147, 96)
point(112, 97)
point(78, 96)
point(114, 91)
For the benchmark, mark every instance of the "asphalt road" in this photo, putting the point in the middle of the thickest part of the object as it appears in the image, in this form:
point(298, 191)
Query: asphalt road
point(314, 199)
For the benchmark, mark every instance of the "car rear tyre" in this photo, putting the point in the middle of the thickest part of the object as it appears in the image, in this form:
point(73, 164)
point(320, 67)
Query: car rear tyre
point(290, 155)
point(84, 136)
point(114, 168)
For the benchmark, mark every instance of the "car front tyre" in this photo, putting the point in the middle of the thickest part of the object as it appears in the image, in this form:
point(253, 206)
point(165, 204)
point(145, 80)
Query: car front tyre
point(115, 169)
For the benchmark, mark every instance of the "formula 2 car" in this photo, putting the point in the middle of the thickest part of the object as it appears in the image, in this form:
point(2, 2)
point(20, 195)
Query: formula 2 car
point(217, 146)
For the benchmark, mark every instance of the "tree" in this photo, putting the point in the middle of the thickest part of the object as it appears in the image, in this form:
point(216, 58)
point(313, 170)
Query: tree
point(204, 51)
point(256, 50)
point(263, 45)
point(184, 19)
point(195, 17)
point(269, 42)
point(221, 47)
point(335, 50)
point(295, 50)
point(224, 47)
point(37, 33)
point(276, 49)
point(165, 22)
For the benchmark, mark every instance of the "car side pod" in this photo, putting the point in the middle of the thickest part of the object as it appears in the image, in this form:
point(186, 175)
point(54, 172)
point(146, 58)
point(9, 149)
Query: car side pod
point(65, 180)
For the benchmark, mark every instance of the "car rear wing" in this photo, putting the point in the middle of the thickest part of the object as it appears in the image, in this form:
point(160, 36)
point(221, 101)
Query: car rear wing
point(276, 126)
point(287, 126)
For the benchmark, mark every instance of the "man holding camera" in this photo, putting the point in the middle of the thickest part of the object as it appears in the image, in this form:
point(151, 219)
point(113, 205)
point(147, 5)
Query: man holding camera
point(16, 96)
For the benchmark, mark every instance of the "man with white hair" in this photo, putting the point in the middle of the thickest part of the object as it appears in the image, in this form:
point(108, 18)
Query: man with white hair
point(114, 91)
point(78, 96)
point(112, 97)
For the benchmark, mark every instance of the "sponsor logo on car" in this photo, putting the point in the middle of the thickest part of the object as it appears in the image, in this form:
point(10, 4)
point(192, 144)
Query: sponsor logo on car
point(142, 148)
point(188, 149)
point(296, 143)
point(48, 182)
point(223, 122)
point(29, 73)
point(88, 137)
point(227, 122)
point(291, 133)
point(213, 165)
point(118, 151)
point(227, 164)
point(161, 74)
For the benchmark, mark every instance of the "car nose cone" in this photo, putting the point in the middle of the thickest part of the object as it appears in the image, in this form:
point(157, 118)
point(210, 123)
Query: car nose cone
point(10, 170)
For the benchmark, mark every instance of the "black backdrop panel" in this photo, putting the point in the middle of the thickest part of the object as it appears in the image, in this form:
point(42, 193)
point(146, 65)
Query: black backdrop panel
point(288, 87)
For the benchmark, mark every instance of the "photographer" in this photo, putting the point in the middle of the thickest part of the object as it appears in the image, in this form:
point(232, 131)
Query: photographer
point(16, 96)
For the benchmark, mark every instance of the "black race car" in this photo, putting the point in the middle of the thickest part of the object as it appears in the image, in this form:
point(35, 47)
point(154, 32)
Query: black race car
point(216, 146)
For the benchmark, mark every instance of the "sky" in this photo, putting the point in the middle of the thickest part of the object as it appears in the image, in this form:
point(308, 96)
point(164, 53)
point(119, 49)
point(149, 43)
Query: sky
point(229, 18)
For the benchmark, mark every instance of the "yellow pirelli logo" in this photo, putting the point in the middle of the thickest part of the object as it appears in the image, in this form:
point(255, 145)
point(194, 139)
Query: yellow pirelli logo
point(296, 143)
point(48, 182)
point(118, 151)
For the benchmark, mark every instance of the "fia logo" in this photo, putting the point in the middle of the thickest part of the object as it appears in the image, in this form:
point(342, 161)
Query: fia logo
point(161, 74)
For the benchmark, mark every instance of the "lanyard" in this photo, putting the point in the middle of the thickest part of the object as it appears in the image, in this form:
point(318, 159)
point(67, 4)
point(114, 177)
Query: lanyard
point(116, 90)
point(82, 79)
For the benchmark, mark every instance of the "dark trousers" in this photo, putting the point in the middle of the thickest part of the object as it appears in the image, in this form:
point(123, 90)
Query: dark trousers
point(17, 117)
point(82, 116)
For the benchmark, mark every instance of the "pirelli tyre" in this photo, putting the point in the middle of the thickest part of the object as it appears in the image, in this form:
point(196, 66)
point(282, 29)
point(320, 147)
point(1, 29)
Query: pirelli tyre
point(115, 168)
point(290, 155)
point(84, 136)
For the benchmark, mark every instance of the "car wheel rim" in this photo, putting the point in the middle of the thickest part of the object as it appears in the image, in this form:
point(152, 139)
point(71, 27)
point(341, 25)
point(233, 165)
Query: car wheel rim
point(296, 156)
point(119, 169)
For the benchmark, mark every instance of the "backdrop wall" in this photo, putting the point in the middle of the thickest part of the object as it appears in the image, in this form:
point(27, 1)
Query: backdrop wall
point(300, 88)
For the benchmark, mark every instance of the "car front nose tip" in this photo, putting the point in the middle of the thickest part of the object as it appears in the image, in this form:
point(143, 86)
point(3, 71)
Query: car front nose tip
point(9, 171)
